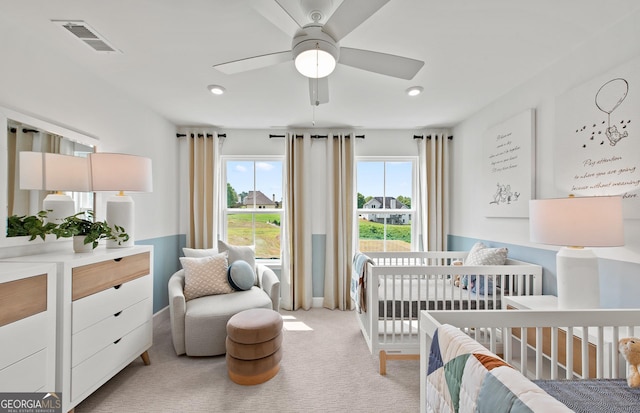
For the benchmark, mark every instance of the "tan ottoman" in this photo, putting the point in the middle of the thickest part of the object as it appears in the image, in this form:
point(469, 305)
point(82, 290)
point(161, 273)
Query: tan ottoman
point(254, 346)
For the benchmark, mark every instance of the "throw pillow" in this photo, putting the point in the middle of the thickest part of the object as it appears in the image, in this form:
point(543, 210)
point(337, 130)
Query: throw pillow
point(205, 276)
point(196, 253)
point(241, 276)
point(480, 254)
point(243, 253)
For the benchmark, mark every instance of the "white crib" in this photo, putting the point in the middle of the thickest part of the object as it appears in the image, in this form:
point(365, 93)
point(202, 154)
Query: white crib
point(404, 283)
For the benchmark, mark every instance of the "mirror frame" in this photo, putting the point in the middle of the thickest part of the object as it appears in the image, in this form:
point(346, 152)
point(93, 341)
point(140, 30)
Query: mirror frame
point(6, 115)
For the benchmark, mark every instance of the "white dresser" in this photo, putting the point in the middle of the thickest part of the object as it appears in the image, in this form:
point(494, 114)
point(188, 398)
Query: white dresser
point(104, 315)
point(27, 327)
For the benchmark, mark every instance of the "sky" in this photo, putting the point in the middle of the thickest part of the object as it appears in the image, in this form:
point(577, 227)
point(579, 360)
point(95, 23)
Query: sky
point(370, 180)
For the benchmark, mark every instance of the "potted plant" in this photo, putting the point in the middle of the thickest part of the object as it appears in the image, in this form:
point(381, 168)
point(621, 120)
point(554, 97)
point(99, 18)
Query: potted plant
point(32, 226)
point(86, 233)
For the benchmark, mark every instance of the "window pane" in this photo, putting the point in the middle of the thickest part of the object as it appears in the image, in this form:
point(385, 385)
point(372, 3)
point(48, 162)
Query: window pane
point(399, 184)
point(370, 184)
point(241, 229)
point(374, 235)
point(239, 183)
point(269, 184)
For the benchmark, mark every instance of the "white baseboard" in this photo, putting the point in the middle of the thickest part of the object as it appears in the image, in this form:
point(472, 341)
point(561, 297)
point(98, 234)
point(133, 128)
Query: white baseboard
point(160, 316)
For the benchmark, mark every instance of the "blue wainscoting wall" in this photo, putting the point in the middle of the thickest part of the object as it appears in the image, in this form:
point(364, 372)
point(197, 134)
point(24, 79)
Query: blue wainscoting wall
point(166, 251)
point(619, 286)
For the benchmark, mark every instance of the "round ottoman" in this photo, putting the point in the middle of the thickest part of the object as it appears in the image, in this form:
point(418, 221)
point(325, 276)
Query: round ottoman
point(254, 346)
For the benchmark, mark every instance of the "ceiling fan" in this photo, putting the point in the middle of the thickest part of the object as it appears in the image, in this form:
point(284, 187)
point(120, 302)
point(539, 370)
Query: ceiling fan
point(315, 47)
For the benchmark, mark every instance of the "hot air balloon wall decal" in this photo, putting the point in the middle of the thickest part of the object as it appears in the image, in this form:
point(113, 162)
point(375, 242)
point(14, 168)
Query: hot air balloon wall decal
point(597, 138)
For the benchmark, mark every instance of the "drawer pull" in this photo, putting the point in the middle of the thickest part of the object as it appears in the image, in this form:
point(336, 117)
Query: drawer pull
point(115, 287)
point(117, 259)
point(118, 313)
point(117, 341)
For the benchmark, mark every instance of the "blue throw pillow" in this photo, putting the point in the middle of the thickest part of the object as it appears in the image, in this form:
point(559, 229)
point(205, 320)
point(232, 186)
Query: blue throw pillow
point(241, 276)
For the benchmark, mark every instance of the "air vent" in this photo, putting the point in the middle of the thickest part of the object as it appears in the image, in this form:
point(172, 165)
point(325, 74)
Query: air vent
point(87, 34)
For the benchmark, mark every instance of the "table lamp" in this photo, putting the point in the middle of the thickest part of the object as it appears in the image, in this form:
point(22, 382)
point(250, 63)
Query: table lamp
point(54, 172)
point(120, 172)
point(575, 223)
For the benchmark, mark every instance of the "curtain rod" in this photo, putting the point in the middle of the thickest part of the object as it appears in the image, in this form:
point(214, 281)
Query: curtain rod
point(429, 137)
point(200, 135)
point(25, 130)
point(271, 136)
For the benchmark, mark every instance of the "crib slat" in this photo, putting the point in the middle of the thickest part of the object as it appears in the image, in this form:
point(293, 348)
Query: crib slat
point(539, 354)
point(600, 354)
point(523, 350)
point(569, 358)
point(585, 352)
point(615, 370)
point(554, 353)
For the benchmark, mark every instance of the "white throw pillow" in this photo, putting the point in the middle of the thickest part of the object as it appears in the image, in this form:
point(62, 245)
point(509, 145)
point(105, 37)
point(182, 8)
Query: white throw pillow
point(205, 276)
point(239, 253)
point(196, 253)
point(480, 254)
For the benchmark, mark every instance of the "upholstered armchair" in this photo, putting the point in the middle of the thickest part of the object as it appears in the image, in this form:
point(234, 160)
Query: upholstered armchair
point(198, 325)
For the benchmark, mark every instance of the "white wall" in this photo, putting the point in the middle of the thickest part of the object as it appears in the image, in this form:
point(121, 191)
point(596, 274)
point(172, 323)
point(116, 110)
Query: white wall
point(42, 84)
point(617, 44)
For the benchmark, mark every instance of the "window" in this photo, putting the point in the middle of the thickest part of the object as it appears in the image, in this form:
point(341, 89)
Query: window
point(385, 189)
point(253, 211)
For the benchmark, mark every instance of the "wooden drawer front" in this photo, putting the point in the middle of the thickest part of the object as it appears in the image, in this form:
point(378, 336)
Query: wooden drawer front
point(22, 339)
point(96, 370)
point(22, 298)
point(100, 306)
point(100, 335)
point(27, 375)
point(93, 278)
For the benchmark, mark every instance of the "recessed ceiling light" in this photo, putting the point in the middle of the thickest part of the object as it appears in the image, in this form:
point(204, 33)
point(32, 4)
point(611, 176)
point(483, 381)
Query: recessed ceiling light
point(414, 90)
point(216, 89)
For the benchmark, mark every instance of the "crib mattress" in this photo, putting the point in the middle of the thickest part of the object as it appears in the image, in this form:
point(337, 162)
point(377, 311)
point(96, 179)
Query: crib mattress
point(594, 395)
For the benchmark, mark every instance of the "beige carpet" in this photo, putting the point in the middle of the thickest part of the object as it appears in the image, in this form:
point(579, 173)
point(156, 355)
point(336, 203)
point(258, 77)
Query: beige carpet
point(326, 369)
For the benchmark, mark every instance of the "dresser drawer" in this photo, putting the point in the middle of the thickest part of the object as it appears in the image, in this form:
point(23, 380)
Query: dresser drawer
point(22, 298)
point(92, 278)
point(100, 335)
point(91, 373)
point(96, 307)
point(21, 339)
point(26, 375)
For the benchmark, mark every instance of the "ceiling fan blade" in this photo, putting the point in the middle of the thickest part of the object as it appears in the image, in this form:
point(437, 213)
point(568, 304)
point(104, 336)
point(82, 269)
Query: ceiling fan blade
point(278, 15)
point(349, 15)
point(319, 90)
point(385, 64)
point(255, 62)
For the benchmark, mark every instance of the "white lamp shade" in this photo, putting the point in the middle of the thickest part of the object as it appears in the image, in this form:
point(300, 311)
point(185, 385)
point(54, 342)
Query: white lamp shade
point(120, 172)
point(580, 221)
point(315, 63)
point(65, 173)
point(53, 172)
point(31, 170)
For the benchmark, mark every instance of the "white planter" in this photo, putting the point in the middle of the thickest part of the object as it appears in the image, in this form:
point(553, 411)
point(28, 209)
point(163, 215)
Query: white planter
point(80, 246)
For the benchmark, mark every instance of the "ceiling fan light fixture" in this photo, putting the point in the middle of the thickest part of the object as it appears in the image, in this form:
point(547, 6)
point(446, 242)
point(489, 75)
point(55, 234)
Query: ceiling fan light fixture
point(315, 63)
point(414, 90)
point(216, 89)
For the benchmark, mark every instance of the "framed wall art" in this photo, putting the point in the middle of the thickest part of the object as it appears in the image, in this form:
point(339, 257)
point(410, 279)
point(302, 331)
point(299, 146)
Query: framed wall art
point(508, 179)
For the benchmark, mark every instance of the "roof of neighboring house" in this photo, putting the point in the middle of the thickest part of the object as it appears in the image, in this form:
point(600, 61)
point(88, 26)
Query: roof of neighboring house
point(399, 205)
point(261, 199)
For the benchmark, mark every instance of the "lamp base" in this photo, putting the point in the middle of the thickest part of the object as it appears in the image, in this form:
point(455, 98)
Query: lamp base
point(578, 279)
point(59, 206)
point(120, 212)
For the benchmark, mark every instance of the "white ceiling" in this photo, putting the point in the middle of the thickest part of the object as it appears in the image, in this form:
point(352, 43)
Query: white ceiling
point(474, 52)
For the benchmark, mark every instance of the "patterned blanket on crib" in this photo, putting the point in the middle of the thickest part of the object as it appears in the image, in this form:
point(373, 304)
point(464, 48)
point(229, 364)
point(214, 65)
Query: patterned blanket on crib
point(463, 376)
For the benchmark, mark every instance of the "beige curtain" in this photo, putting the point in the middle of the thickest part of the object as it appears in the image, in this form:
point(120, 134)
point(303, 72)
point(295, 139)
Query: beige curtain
point(204, 188)
point(296, 281)
point(433, 190)
point(340, 221)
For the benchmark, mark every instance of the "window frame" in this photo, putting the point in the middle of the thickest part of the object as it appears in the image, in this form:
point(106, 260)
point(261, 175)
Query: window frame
point(388, 211)
point(225, 211)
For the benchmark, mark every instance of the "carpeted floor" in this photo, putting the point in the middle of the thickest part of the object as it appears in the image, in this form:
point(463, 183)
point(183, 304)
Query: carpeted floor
point(325, 368)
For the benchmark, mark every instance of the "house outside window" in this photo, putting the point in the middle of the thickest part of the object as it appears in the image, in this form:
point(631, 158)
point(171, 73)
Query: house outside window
point(252, 214)
point(386, 187)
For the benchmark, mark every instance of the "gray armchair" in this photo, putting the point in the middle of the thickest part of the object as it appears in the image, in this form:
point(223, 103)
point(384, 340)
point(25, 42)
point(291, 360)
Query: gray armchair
point(198, 326)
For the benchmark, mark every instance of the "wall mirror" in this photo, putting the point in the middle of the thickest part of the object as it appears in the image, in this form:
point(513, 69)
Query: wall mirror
point(21, 132)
